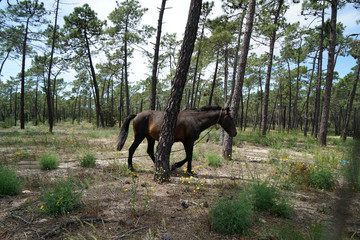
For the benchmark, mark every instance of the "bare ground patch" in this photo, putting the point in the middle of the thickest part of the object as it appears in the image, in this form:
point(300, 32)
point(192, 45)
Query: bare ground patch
point(179, 208)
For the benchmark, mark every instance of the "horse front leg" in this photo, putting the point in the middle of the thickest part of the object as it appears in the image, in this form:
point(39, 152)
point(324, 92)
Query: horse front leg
point(189, 151)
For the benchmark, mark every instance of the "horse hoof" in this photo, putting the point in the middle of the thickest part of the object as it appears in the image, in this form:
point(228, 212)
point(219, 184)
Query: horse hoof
point(191, 173)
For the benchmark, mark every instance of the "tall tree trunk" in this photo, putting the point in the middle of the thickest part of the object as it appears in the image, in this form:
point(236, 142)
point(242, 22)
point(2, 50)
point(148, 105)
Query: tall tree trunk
point(214, 79)
point(126, 71)
point(156, 57)
point(15, 107)
point(306, 116)
point(48, 89)
point(235, 100)
point(172, 110)
point(246, 111)
point(329, 75)
point(22, 89)
point(236, 58)
point(315, 128)
point(197, 90)
point(298, 77)
point(264, 115)
point(350, 102)
point(96, 86)
point(121, 96)
point(290, 94)
point(36, 102)
point(280, 119)
point(193, 92)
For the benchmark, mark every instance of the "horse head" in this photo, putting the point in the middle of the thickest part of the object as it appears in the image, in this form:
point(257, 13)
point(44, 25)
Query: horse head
point(226, 122)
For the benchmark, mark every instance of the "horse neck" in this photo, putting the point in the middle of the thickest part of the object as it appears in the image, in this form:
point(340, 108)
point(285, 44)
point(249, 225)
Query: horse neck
point(207, 119)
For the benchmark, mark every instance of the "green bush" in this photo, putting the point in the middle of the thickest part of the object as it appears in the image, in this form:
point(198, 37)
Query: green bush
point(88, 160)
point(61, 198)
point(269, 198)
point(48, 161)
point(214, 160)
point(10, 184)
point(7, 123)
point(322, 178)
point(232, 216)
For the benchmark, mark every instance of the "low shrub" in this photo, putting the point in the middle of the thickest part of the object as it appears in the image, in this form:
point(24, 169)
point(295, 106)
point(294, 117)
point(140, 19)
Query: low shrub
point(232, 216)
point(322, 178)
point(88, 160)
point(214, 160)
point(48, 161)
point(10, 184)
point(315, 177)
point(61, 198)
point(269, 198)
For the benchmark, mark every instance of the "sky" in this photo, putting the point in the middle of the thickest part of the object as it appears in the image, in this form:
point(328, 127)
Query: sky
point(174, 21)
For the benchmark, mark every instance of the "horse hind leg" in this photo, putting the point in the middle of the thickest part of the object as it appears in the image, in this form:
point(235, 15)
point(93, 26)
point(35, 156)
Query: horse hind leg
point(132, 149)
point(150, 148)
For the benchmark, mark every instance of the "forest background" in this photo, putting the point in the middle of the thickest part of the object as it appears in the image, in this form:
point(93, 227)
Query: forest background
point(105, 75)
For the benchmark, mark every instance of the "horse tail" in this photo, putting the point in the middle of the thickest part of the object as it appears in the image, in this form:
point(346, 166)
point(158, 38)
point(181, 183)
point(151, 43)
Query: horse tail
point(124, 131)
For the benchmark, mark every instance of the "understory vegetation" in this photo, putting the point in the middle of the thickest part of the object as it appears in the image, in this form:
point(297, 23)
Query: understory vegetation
point(261, 192)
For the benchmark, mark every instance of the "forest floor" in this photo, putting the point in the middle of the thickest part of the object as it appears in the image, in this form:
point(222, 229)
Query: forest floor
point(118, 205)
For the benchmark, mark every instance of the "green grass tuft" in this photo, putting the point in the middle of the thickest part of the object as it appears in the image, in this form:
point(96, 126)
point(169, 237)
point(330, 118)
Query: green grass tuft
point(61, 198)
point(232, 216)
point(48, 161)
point(214, 160)
point(10, 184)
point(88, 160)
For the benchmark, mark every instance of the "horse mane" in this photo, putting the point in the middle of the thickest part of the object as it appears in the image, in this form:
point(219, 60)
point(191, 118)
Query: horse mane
point(204, 109)
point(209, 108)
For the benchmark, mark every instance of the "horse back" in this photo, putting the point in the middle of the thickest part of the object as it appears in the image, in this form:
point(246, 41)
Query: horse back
point(148, 124)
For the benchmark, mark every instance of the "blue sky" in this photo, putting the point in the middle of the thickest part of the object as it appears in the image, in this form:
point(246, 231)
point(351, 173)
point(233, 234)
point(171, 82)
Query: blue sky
point(174, 21)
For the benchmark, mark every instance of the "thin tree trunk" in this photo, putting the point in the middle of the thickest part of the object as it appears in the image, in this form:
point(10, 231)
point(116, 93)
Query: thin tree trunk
point(329, 75)
point(126, 71)
point(22, 89)
point(246, 111)
point(236, 59)
point(156, 57)
point(315, 128)
point(214, 79)
point(48, 89)
point(96, 86)
point(3, 62)
point(268, 75)
point(235, 100)
point(350, 103)
point(306, 116)
point(166, 139)
point(298, 77)
point(290, 88)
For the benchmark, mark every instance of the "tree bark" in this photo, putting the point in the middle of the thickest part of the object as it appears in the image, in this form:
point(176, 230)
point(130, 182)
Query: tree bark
point(329, 75)
point(156, 57)
point(235, 99)
point(315, 128)
point(48, 89)
point(350, 103)
point(214, 79)
point(268, 75)
point(22, 88)
point(96, 86)
point(166, 139)
point(306, 115)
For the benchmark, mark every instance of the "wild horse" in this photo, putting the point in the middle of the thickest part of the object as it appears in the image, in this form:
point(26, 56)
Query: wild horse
point(189, 125)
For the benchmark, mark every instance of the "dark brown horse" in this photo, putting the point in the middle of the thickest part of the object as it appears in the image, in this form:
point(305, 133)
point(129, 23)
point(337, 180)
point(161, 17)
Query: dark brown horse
point(189, 125)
